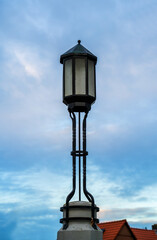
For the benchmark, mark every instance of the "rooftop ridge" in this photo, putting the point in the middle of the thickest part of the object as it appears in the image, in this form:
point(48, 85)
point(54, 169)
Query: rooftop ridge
point(123, 220)
point(141, 229)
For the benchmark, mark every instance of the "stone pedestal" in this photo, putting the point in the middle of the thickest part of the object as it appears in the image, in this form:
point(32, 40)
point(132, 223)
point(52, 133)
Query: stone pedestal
point(79, 226)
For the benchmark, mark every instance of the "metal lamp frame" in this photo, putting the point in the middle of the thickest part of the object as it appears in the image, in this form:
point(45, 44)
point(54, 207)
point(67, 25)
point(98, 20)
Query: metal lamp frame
point(81, 154)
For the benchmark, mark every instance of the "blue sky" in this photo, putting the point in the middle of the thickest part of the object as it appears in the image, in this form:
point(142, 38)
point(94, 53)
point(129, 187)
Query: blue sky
point(35, 128)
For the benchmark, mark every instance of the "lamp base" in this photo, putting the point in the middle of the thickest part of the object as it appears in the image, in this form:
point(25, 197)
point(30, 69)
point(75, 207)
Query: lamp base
point(79, 107)
point(79, 225)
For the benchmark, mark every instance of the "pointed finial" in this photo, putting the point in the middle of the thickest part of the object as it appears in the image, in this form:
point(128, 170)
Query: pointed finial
point(79, 41)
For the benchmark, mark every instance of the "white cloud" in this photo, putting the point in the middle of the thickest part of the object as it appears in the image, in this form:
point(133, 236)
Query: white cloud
point(33, 188)
point(138, 205)
point(33, 103)
point(42, 20)
point(26, 60)
point(42, 188)
point(29, 67)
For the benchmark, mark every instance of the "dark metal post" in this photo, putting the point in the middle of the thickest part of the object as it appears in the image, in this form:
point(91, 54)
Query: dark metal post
point(87, 194)
point(79, 131)
point(71, 194)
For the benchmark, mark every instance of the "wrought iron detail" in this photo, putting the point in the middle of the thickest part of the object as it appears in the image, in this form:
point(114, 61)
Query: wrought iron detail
point(81, 154)
point(71, 194)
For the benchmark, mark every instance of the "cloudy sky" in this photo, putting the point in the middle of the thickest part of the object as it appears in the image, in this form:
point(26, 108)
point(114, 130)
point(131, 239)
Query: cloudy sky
point(35, 128)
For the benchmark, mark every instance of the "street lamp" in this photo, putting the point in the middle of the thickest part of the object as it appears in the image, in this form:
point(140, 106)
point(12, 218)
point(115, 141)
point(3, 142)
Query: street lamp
point(79, 93)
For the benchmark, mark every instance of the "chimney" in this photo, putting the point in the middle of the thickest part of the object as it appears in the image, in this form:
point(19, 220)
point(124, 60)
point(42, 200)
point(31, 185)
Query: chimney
point(154, 227)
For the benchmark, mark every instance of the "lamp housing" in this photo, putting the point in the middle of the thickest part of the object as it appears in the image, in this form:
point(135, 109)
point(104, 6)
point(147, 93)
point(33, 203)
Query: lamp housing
point(79, 78)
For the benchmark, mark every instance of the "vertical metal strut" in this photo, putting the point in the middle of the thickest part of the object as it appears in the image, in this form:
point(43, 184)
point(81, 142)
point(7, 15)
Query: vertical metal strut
point(71, 194)
point(87, 194)
point(79, 145)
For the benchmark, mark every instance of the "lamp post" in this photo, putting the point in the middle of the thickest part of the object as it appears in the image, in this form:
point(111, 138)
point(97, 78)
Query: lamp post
point(79, 93)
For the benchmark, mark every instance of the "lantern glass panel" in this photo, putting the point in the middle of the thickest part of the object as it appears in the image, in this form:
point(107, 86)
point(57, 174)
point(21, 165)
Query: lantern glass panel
point(80, 76)
point(68, 77)
point(91, 85)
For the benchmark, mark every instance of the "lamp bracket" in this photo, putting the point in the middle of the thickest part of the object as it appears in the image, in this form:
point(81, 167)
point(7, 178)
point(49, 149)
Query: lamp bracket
point(79, 107)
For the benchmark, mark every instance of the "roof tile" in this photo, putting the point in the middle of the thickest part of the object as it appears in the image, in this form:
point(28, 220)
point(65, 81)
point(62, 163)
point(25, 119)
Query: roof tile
point(111, 228)
point(143, 234)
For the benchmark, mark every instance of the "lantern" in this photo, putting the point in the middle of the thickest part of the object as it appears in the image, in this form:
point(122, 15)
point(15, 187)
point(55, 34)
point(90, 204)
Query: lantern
point(79, 81)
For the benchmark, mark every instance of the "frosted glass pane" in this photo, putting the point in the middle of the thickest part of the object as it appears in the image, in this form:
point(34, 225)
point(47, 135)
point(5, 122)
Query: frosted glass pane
point(91, 87)
point(80, 76)
point(68, 77)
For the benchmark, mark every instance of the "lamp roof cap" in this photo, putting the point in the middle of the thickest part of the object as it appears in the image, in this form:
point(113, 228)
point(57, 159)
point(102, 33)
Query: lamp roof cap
point(78, 50)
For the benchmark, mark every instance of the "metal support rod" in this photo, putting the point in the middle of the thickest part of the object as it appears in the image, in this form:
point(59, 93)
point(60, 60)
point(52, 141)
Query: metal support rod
point(84, 159)
point(71, 194)
point(79, 139)
point(87, 194)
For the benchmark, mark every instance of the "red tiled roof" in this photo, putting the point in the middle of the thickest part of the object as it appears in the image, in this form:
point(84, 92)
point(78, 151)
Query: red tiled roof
point(112, 228)
point(143, 234)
